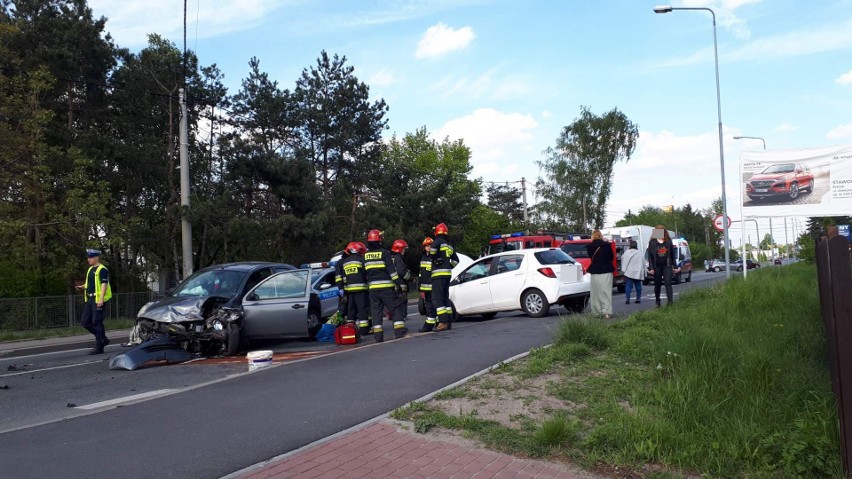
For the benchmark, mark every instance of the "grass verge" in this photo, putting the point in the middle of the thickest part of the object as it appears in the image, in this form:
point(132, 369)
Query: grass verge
point(731, 381)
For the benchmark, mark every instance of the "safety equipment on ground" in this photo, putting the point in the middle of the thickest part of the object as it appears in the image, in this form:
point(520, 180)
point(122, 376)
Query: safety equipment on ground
point(374, 235)
point(427, 241)
point(441, 229)
point(398, 246)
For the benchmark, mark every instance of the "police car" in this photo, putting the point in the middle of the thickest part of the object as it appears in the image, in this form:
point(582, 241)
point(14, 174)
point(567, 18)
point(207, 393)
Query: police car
point(325, 295)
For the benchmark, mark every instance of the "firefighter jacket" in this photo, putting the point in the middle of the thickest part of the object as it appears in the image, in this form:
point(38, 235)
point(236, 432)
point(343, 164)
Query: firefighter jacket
point(426, 272)
point(401, 268)
point(444, 257)
point(381, 272)
point(351, 275)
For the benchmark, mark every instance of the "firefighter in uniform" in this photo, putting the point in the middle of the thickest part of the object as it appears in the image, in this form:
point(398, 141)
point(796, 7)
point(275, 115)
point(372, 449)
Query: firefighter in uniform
point(444, 257)
point(397, 256)
point(382, 283)
point(425, 287)
point(352, 278)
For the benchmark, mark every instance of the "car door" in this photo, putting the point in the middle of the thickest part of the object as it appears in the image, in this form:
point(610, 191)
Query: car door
point(507, 281)
point(278, 306)
point(470, 292)
point(327, 292)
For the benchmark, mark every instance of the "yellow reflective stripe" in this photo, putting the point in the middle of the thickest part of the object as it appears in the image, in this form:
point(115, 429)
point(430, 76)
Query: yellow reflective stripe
point(377, 328)
point(363, 324)
point(398, 324)
point(380, 286)
point(431, 320)
point(375, 265)
point(355, 289)
point(442, 273)
point(425, 287)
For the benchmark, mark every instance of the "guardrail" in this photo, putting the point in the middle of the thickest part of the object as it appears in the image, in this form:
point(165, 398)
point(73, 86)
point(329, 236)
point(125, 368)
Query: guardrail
point(21, 314)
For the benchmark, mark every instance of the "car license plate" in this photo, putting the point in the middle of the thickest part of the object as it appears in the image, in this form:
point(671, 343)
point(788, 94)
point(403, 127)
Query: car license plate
point(761, 190)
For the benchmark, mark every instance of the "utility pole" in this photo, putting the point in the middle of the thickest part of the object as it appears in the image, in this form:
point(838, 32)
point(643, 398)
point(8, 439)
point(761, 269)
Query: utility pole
point(786, 238)
point(186, 226)
point(524, 196)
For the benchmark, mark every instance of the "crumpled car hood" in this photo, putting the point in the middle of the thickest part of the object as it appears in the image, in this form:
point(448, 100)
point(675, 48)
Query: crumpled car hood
point(175, 309)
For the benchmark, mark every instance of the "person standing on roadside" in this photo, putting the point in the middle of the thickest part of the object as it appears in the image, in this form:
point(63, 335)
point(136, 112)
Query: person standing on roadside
point(398, 250)
point(382, 283)
point(633, 267)
point(352, 280)
point(425, 287)
point(444, 258)
point(97, 292)
point(662, 263)
point(601, 270)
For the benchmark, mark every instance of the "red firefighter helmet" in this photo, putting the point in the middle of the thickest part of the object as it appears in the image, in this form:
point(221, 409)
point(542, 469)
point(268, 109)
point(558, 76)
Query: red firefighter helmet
point(427, 241)
point(441, 229)
point(398, 246)
point(359, 246)
point(374, 235)
point(352, 248)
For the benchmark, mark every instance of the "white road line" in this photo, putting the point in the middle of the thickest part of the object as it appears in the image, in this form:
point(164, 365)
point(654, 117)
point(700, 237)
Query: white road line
point(135, 397)
point(19, 373)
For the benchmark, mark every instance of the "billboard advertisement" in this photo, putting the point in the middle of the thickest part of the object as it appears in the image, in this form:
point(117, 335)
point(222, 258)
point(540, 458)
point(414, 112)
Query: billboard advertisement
point(797, 182)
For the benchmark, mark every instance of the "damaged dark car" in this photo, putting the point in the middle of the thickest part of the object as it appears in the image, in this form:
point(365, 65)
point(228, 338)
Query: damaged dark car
point(218, 309)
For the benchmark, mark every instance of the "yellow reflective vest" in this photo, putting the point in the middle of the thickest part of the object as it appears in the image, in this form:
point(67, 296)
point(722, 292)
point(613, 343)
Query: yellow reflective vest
point(108, 293)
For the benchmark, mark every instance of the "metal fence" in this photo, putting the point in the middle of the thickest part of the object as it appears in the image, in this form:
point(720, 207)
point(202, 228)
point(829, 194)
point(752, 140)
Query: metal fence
point(19, 314)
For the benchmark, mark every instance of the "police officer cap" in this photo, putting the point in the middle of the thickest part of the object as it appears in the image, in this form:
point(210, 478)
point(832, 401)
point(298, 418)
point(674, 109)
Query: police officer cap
point(91, 253)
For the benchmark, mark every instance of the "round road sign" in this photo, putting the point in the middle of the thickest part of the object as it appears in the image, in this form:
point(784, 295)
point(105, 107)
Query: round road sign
point(717, 222)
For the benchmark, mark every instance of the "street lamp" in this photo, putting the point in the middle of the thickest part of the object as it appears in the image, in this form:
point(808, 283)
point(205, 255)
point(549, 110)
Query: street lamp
point(667, 9)
point(752, 138)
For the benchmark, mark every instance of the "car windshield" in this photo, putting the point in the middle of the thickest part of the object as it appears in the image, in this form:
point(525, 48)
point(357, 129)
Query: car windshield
point(553, 256)
point(576, 250)
point(784, 168)
point(211, 283)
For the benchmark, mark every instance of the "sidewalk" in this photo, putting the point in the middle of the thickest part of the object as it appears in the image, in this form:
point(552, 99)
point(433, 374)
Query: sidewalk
point(384, 449)
point(116, 336)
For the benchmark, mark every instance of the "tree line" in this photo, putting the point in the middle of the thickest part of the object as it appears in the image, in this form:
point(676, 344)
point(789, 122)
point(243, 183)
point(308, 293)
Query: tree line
point(89, 158)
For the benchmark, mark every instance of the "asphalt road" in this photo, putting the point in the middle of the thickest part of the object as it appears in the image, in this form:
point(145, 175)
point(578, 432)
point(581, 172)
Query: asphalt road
point(216, 419)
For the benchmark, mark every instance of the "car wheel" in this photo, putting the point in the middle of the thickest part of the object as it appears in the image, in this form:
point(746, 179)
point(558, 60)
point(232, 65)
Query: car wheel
point(455, 316)
point(314, 323)
point(233, 346)
point(421, 306)
point(794, 191)
point(739, 269)
point(534, 303)
point(487, 316)
point(678, 278)
point(811, 187)
point(717, 269)
point(689, 277)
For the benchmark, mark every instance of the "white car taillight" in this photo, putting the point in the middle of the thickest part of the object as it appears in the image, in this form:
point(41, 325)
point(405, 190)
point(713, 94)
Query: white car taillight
point(547, 272)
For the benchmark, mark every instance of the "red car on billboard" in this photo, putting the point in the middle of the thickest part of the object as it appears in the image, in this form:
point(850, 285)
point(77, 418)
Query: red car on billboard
point(782, 181)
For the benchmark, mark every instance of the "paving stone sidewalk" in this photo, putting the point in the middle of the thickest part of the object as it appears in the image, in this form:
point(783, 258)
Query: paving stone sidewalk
point(385, 450)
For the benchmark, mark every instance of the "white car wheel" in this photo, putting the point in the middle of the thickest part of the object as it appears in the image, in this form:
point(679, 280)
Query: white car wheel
point(535, 303)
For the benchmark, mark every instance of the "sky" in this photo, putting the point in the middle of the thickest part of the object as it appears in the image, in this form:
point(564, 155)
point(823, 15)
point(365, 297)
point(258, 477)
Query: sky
point(507, 76)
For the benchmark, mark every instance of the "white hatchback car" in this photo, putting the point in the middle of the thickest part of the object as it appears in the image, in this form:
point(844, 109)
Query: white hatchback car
point(531, 280)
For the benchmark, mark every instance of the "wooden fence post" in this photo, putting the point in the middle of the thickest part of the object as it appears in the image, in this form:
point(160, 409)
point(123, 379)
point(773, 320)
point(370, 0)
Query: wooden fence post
point(834, 271)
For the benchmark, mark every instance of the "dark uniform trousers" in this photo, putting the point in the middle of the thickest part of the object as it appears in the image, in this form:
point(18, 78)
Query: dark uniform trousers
point(356, 306)
point(381, 299)
point(93, 320)
point(441, 298)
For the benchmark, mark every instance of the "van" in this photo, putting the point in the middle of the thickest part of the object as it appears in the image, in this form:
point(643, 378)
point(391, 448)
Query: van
point(684, 260)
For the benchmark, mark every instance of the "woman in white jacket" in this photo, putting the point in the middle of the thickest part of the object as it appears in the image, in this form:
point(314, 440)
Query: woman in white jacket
point(633, 268)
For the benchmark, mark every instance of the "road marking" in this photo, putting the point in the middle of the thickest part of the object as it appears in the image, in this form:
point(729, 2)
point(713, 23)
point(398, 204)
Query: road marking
point(121, 400)
point(50, 369)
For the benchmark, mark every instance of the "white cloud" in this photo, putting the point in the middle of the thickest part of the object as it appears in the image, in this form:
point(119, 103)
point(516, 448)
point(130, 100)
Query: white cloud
point(130, 21)
point(382, 78)
point(489, 133)
point(724, 10)
point(484, 85)
point(786, 128)
point(441, 39)
point(546, 114)
point(842, 131)
point(845, 79)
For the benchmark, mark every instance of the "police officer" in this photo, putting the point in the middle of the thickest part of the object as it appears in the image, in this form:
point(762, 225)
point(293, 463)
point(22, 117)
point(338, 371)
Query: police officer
point(425, 287)
point(444, 258)
point(353, 280)
point(398, 250)
point(382, 283)
point(97, 292)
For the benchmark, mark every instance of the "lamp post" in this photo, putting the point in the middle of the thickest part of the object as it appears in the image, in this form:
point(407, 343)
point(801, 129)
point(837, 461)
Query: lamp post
point(667, 9)
point(772, 248)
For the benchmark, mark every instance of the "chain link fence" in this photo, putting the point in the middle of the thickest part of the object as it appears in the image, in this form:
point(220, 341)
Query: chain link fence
point(21, 314)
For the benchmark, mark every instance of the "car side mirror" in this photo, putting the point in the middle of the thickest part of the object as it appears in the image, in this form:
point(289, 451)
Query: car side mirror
point(252, 297)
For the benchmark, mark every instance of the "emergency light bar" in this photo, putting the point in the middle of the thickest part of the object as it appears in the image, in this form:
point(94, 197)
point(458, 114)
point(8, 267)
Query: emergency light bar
point(324, 264)
point(508, 235)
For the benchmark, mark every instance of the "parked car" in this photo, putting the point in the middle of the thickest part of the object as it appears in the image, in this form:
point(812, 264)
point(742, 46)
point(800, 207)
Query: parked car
point(738, 264)
point(324, 287)
point(777, 261)
point(782, 180)
point(531, 280)
point(717, 265)
point(219, 308)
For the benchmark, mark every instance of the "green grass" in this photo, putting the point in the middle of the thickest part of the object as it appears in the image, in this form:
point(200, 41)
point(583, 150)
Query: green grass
point(730, 381)
point(61, 332)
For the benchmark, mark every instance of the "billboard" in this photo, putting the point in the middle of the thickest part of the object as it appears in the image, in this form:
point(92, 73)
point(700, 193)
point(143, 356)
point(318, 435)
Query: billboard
point(797, 182)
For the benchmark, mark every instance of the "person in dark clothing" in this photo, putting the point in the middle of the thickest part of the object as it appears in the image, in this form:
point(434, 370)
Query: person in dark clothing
point(425, 286)
point(662, 263)
point(352, 280)
point(444, 259)
point(398, 250)
point(382, 282)
point(601, 270)
point(97, 292)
